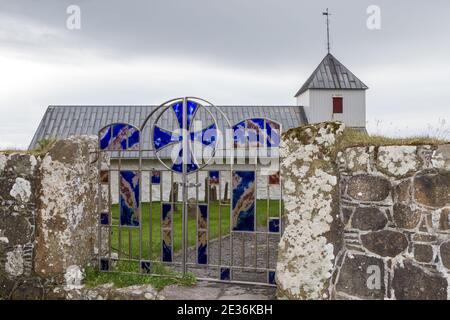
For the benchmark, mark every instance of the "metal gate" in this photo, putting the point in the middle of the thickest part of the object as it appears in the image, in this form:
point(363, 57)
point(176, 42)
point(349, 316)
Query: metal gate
point(189, 191)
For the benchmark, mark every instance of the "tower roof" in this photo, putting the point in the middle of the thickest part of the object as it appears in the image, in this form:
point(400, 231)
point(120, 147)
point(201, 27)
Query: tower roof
point(331, 74)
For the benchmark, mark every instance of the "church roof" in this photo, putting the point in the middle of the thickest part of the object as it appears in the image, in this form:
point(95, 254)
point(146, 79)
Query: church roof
point(60, 122)
point(331, 74)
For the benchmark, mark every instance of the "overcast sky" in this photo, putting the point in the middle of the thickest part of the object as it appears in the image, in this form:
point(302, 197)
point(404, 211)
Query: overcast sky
point(245, 52)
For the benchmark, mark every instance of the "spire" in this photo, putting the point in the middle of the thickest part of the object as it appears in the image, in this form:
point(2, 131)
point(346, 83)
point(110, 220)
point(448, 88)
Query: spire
point(326, 13)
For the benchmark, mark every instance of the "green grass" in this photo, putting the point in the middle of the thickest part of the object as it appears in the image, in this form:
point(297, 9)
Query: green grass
point(132, 234)
point(125, 276)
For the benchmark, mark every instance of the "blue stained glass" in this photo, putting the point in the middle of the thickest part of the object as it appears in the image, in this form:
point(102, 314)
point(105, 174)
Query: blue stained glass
point(104, 264)
point(244, 201)
point(166, 216)
point(162, 138)
point(273, 133)
point(178, 164)
point(271, 277)
point(214, 177)
point(192, 167)
point(133, 139)
point(239, 135)
point(274, 224)
point(191, 109)
point(146, 266)
point(166, 226)
point(225, 273)
point(129, 198)
point(119, 137)
point(202, 253)
point(255, 129)
point(167, 246)
point(206, 136)
point(178, 109)
point(202, 222)
point(105, 138)
point(104, 218)
point(156, 177)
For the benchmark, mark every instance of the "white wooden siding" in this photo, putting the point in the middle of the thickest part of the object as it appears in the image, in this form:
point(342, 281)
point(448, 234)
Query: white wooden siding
point(320, 106)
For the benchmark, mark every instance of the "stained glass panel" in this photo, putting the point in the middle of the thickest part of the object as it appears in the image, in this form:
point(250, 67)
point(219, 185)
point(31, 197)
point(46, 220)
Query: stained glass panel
point(129, 198)
point(244, 201)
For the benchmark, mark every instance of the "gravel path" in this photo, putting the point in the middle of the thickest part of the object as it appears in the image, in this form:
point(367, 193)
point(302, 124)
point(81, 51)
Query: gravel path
point(243, 256)
point(206, 290)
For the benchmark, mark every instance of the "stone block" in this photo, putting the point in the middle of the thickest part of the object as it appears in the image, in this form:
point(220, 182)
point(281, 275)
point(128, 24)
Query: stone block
point(411, 282)
point(368, 188)
point(444, 251)
point(433, 189)
point(441, 157)
point(398, 160)
point(362, 276)
point(385, 243)
point(402, 192)
point(405, 217)
point(369, 218)
point(423, 253)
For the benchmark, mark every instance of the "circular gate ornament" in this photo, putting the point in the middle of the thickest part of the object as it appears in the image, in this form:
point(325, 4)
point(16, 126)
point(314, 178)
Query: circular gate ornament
point(184, 144)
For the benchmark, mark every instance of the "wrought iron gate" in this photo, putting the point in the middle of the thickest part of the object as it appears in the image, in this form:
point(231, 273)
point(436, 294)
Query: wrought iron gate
point(227, 223)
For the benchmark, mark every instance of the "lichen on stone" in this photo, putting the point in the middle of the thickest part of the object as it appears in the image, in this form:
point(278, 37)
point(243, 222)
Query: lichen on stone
point(21, 190)
point(305, 258)
point(398, 160)
point(14, 262)
point(3, 160)
point(73, 277)
point(355, 159)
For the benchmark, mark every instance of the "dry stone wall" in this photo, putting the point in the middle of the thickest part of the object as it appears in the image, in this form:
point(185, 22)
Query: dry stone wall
point(367, 222)
point(395, 205)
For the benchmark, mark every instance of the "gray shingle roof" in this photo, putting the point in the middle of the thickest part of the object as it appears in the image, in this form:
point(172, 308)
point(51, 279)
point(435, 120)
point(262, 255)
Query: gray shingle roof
point(60, 122)
point(331, 74)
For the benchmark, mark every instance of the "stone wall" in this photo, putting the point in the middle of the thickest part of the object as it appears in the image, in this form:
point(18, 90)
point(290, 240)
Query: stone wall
point(367, 222)
point(47, 216)
point(395, 205)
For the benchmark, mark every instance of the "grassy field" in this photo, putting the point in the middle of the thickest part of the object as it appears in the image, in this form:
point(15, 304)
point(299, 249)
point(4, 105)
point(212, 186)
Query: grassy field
point(130, 236)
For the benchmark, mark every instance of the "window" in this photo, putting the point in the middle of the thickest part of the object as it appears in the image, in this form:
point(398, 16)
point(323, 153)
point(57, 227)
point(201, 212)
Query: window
point(338, 105)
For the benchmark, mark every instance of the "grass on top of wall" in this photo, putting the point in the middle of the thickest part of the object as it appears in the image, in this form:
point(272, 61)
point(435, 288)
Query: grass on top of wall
point(355, 138)
point(43, 146)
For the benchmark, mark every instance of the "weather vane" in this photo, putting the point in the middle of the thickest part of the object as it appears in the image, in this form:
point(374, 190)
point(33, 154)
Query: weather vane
point(326, 13)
